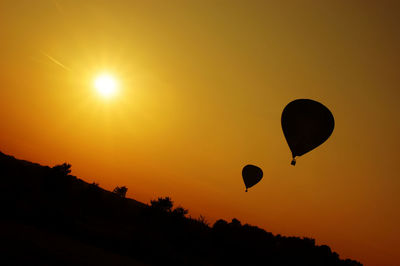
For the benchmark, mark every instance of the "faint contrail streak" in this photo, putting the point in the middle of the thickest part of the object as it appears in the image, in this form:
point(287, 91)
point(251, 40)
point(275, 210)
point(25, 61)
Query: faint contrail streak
point(56, 61)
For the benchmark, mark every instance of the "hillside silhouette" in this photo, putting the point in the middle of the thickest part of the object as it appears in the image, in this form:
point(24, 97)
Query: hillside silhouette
point(49, 217)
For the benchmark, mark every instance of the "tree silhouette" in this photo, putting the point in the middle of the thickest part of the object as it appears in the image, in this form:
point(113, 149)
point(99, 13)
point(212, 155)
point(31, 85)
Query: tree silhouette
point(236, 223)
point(164, 204)
point(202, 220)
point(120, 191)
point(220, 224)
point(180, 211)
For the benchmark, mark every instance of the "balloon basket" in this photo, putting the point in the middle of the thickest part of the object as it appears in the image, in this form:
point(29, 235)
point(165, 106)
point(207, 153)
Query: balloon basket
point(293, 162)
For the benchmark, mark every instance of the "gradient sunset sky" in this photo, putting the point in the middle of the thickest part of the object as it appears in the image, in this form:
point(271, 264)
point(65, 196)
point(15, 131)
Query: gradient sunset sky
point(202, 85)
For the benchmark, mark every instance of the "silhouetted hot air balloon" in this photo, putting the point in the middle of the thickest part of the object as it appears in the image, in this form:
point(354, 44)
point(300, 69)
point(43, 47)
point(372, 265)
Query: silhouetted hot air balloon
point(251, 175)
point(306, 124)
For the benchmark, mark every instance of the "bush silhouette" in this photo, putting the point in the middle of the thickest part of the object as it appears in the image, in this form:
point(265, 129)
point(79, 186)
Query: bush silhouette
point(164, 204)
point(220, 224)
point(202, 220)
point(62, 169)
point(180, 211)
point(120, 191)
point(236, 223)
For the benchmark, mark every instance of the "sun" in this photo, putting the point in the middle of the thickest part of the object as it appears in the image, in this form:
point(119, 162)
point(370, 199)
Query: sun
point(106, 85)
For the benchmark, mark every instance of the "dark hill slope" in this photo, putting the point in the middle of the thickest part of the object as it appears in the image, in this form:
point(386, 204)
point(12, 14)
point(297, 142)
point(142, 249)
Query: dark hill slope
point(51, 218)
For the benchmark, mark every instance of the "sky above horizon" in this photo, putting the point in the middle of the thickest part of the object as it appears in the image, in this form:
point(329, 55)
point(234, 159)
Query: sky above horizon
point(202, 85)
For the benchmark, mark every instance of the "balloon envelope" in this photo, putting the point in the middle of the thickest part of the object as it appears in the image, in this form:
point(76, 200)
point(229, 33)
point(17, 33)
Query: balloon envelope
point(306, 124)
point(251, 175)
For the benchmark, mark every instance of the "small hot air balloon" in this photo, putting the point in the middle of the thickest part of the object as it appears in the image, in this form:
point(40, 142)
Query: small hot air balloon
point(251, 175)
point(306, 124)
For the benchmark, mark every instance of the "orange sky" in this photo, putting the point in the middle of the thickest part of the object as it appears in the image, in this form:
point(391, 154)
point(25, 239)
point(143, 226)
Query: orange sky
point(202, 88)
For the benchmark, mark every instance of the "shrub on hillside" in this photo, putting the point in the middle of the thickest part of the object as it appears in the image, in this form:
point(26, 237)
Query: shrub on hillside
point(164, 204)
point(120, 191)
point(62, 169)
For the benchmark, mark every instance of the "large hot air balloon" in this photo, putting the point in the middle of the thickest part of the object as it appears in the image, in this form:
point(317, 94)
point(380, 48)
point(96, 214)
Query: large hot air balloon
point(306, 124)
point(251, 175)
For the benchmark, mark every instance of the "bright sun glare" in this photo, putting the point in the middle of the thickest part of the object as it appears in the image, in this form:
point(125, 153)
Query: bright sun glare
point(106, 85)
